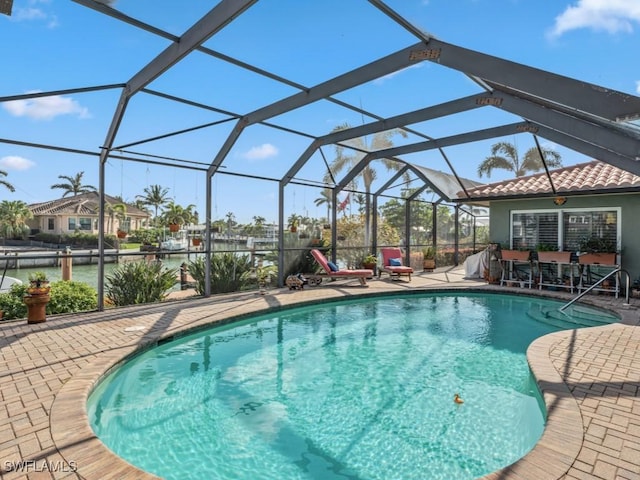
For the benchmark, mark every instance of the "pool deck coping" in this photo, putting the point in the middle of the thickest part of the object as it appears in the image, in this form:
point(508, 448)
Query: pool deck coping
point(590, 380)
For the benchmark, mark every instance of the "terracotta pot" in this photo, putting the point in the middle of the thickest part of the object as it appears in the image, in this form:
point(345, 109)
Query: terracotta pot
point(121, 234)
point(196, 242)
point(174, 227)
point(36, 307)
point(519, 255)
point(601, 258)
point(559, 257)
point(428, 264)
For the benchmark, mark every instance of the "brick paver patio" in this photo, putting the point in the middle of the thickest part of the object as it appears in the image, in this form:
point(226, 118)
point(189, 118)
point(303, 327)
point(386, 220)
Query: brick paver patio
point(590, 378)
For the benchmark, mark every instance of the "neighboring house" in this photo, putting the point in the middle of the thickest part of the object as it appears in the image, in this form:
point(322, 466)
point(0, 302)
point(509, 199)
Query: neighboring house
point(590, 199)
point(81, 213)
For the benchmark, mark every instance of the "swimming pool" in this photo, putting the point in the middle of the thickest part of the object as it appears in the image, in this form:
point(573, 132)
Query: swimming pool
point(352, 389)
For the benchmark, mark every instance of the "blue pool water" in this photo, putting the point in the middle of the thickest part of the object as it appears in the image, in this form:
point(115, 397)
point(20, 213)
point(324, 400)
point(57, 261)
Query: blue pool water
point(351, 390)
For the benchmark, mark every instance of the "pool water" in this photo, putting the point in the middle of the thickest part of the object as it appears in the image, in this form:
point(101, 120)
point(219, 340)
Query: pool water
point(351, 390)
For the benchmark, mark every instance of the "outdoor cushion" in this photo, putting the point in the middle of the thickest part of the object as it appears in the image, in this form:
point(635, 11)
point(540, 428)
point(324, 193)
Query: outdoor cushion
point(395, 262)
point(333, 266)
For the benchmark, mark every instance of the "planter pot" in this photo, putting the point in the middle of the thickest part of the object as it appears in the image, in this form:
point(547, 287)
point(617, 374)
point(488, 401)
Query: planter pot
point(428, 264)
point(37, 307)
point(174, 227)
point(293, 229)
point(196, 242)
point(601, 258)
point(121, 234)
point(519, 255)
point(558, 257)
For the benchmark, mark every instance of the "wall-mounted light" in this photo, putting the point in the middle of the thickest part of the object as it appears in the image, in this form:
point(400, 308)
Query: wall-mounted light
point(560, 200)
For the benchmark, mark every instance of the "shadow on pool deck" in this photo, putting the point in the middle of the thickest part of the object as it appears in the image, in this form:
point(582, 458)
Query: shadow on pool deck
point(590, 378)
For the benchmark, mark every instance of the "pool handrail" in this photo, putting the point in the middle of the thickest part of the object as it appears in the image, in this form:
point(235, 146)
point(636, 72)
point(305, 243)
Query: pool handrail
point(614, 272)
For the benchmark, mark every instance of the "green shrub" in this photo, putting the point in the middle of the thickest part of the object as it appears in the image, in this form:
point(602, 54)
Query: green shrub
point(139, 282)
point(11, 302)
point(229, 272)
point(70, 296)
point(66, 297)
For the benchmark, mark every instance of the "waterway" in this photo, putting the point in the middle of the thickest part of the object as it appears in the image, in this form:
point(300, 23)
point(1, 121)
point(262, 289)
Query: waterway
point(89, 273)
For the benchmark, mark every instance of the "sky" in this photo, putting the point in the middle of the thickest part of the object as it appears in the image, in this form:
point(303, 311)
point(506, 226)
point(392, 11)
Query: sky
point(54, 45)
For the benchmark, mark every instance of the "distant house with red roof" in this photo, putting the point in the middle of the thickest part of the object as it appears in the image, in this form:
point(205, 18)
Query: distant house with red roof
point(564, 208)
point(81, 213)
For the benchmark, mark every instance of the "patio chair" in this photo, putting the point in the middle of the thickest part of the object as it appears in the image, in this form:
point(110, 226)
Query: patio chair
point(392, 263)
point(333, 272)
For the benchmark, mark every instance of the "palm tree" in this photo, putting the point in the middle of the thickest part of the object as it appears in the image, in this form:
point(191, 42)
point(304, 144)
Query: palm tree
point(504, 155)
point(5, 183)
point(324, 198)
point(156, 196)
point(119, 211)
point(177, 214)
point(13, 218)
point(74, 185)
point(379, 141)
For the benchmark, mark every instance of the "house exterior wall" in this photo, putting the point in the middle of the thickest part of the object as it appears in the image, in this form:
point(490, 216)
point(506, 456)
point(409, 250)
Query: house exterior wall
point(629, 204)
point(61, 224)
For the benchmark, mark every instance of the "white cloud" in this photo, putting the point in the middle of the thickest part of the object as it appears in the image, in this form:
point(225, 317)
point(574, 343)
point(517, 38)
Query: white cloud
point(266, 150)
point(611, 16)
point(46, 108)
point(381, 80)
point(29, 13)
point(638, 86)
point(13, 162)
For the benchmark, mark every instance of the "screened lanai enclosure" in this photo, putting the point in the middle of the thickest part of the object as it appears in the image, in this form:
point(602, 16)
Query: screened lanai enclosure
point(291, 125)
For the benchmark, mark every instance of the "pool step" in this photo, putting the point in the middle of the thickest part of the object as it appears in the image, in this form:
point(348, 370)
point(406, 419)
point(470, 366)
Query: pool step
point(573, 317)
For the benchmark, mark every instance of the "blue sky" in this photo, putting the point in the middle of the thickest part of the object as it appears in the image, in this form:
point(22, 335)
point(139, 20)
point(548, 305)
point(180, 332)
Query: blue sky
point(59, 44)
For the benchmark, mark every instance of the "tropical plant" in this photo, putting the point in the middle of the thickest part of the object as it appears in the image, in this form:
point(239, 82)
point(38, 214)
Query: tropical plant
point(229, 272)
point(429, 253)
point(361, 145)
point(73, 185)
point(369, 259)
point(596, 244)
point(175, 214)
point(155, 196)
point(13, 218)
point(324, 198)
point(116, 211)
point(504, 155)
point(140, 282)
point(4, 183)
point(38, 278)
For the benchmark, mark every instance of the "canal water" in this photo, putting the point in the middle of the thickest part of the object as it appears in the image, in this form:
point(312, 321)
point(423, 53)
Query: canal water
point(89, 273)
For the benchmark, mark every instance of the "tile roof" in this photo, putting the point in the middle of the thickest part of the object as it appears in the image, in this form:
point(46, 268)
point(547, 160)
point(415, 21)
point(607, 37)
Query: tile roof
point(593, 177)
point(82, 204)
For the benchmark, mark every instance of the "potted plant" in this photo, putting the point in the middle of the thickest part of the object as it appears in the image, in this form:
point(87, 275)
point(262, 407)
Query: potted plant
point(263, 276)
point(369, 262)
point(38, 283)
point(597, 250)
point(121, 234)
point(37, 297)
point(429, 259)
point(196, 241)
point(293, 226)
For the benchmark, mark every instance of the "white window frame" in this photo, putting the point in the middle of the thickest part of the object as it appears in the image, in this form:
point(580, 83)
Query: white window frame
point(561, 213)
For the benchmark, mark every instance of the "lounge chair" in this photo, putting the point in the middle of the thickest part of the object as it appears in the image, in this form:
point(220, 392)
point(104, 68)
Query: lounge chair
point(392, 263)
point(336, 273)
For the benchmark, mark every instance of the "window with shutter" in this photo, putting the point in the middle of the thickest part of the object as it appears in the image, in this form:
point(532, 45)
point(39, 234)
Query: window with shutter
point(563, 229)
